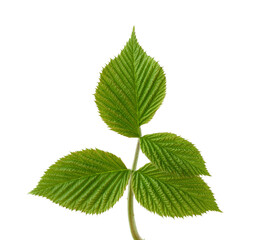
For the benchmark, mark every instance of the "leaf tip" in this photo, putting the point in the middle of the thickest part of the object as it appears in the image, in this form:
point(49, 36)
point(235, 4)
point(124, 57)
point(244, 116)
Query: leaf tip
point(32, 192)
point(206, 173)
point(133, 34)
point(217, 209)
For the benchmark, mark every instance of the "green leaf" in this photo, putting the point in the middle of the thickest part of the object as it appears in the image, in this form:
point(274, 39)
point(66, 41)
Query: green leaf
point(90, 181)
point(173, 154)
point(172, 195)
point(131, 89)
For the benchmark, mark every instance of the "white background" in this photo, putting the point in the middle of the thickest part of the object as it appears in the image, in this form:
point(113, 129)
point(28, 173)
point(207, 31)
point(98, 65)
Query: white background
point(221, 64)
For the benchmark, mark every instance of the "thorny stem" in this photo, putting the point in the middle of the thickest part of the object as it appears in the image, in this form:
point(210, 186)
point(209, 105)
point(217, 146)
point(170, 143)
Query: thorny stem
point(130, 198)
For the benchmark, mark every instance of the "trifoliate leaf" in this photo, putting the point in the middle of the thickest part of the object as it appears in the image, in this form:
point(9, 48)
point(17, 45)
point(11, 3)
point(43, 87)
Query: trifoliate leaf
point(90, 181)
point(172, 195)
point(173, 154)
point(131, 89)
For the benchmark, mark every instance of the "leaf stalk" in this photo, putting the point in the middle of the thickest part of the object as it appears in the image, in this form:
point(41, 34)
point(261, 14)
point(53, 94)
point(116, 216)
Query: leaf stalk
point(130, 198)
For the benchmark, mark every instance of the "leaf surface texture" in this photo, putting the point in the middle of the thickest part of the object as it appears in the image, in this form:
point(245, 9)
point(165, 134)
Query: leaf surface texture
point(90, 181)
point(172, 195)
point(131, 89)
point(173, 154)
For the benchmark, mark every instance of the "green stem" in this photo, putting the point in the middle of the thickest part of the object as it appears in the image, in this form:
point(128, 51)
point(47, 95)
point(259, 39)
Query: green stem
point(130, 198)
